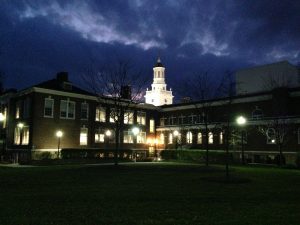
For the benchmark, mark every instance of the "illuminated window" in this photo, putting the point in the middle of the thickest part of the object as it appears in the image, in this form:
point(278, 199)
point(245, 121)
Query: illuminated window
point(170, 138)
point(152, 126)
point(128, 117)
point(67, 109)
point(21, 135)
point(114, 116)
point(48, 107)
point(189, 137)
point(99, 136)
point(210, 138)
point(18, 109)
point(83, 136)
point(100, 114)
point(162, 138)
point(127, 136)
point(221, 138)
point(199, 138)
point(141, 138)
point(84, 111)
point(141, 118)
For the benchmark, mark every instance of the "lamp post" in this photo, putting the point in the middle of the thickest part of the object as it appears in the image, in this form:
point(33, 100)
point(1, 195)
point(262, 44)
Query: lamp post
point(241, 121)
point(21, 126)
point(3, 134)
point(135, 131)
point(176, 133)
point(59, 134)
point(108, 135)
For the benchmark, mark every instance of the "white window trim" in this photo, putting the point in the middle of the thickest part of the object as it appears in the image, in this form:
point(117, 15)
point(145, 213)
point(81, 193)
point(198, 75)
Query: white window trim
point(52, 107)
point(67, 118)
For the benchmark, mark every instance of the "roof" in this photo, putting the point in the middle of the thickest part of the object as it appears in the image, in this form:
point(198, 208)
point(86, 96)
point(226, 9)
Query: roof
point(58, 85)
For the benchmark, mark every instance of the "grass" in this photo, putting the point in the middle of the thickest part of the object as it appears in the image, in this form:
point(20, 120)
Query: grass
point(163, 193)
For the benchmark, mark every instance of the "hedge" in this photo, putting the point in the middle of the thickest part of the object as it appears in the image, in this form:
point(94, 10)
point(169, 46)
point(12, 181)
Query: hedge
point(195, 155)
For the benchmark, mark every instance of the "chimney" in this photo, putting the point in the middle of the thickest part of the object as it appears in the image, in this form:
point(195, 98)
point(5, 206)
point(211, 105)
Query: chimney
point(62, 77)
point(126, 92)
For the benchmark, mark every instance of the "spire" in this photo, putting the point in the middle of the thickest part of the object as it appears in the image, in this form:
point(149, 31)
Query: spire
point(158, 63)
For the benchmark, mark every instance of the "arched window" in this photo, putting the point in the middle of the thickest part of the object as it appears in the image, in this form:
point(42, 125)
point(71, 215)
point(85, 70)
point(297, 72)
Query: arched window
point(162, 138)
point(271, 136)
point(189, 137)
point(210, 138)
point(199, 138)
point(158, 74)
point(170, 138)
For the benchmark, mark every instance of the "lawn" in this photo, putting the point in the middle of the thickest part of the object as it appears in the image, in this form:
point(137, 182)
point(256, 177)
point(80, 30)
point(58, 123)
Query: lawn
point(158, 193)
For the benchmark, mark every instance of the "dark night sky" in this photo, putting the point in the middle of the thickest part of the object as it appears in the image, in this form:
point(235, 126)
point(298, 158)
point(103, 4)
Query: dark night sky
point(40, 38)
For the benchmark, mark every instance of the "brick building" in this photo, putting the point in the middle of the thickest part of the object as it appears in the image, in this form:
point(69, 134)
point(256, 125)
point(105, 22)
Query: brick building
point(33, 116)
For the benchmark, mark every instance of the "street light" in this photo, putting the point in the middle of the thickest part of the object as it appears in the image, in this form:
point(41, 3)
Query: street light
point(135, 131)
point(241, 121)
point(3, 134)
point(59, 134)
point(21, 126)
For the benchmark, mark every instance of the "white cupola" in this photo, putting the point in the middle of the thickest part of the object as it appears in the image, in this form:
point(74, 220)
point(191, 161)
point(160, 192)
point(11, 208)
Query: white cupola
point(159, 95)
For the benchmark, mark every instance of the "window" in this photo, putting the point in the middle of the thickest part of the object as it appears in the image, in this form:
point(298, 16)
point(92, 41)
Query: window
point(257, 113)
point(299, 135)
point(128, 117)
point(189, 137)
point(210, 138)
point(271, 136)
point(162, 138)
point(99, 136)
point(113, 116)
point(83, 136)
point(26, 107)
point(128, 137)
point(18, 109)
point(152, 126)
point(221, 138)
point(67, 109)
point(100, 114)
point(84, 111)
point(141, 138)
point(141, 118)
point(48, 107)
point(199, 138)
point(162, 121)
point(170, 138)
point(21, 135)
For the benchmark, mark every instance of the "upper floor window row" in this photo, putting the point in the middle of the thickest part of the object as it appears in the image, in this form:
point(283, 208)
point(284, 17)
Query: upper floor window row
point(22, 109)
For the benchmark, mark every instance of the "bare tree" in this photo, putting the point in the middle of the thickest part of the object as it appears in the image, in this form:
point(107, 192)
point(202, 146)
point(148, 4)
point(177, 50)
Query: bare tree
point(119, 86)
point(227, 90)
point(276, 130)
point(202, 87)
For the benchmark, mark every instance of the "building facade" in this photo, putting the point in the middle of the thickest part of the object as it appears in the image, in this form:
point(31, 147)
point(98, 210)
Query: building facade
point(32, 117)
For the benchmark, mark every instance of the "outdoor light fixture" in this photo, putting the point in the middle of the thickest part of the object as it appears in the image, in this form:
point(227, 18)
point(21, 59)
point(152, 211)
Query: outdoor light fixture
point(176, 133)
point(21, 125)
point(135, 131)
point(108, 133)
point(241, 120)
point(59, 134)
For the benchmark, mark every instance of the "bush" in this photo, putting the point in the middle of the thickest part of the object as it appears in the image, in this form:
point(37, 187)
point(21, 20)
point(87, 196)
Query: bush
point(42, 155)
point(195, 156)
